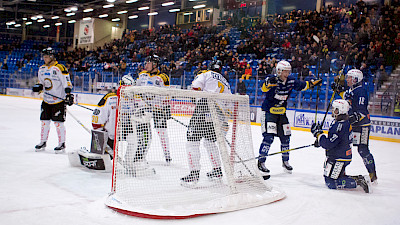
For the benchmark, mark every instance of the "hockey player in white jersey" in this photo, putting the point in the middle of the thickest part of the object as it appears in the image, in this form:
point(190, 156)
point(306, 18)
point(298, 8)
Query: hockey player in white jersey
point(201, 126)
point(160, 106)
point(54, 80)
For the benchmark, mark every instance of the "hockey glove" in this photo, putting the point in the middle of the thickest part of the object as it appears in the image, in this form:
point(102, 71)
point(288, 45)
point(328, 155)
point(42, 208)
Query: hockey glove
point(37, 88)
point(356, 117)
point(348, 95)
point(69, 99)
point(316, 129)
point(336, 87)
point(313, 83)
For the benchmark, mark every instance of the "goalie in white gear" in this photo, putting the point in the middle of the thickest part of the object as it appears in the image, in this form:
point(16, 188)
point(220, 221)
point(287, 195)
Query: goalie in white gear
point(159, 105)
point(201, 125)
point(54, 80)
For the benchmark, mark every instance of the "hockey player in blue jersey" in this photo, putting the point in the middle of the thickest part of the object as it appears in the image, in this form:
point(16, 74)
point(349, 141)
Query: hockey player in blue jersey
point(357, 96)
point(338, 145)
point(274, 122)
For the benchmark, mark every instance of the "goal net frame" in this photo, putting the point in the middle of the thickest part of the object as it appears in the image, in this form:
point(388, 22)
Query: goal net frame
point(151, 195)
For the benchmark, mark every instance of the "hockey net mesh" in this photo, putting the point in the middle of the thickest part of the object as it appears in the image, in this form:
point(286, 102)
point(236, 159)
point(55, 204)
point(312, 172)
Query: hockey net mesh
point(145, 182)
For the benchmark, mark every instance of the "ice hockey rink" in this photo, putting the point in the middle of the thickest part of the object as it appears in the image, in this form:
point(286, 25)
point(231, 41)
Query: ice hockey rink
point(42, 188)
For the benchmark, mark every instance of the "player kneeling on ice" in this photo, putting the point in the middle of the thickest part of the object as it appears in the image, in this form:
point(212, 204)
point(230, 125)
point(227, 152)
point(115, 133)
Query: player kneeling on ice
point(338, 145)
point(201, 126)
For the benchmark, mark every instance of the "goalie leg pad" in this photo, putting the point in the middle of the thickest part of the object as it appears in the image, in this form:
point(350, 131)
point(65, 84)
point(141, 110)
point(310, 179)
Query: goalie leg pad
point(213, 153)
point(89, 160)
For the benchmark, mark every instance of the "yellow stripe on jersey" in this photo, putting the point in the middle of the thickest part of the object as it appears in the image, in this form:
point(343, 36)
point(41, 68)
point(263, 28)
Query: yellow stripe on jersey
point(266, 88)
point(165, 78)
point(103, 101)
point(62, 68)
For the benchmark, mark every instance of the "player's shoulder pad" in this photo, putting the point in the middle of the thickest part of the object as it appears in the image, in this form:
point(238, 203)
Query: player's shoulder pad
point(164, 77)
point(144, 72)
point(62, 68)
point(203, 71)
point(103, 100)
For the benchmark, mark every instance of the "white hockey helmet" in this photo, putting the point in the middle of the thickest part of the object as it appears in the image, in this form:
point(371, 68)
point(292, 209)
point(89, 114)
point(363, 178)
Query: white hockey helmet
point(283, 65)
point(127, 80)
point(356, 75)
point(340, 107)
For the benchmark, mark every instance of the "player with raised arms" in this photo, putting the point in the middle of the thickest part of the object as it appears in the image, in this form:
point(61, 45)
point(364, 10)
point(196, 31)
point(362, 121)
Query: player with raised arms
point(274, 122)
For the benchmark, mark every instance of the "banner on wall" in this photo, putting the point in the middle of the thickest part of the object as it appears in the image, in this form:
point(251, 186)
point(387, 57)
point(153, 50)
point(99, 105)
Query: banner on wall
point(306, 119)
point(86, 34)
point(385, 127)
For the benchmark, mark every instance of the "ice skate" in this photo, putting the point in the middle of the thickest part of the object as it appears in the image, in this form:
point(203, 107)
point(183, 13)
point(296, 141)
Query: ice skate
point(264, 170)
point(40, 147)
point(364, 182)
point(287, 167)
point(60, 148)
point(193, 177)
point(215, 173)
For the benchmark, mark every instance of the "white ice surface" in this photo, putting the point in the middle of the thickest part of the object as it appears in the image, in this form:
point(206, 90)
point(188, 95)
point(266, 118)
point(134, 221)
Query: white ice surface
point(41, 188)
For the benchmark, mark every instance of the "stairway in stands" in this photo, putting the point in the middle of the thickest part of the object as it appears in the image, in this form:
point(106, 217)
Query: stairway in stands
point(382, 102)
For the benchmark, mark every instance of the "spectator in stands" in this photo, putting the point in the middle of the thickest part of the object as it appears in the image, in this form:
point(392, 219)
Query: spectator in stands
point(5, 66)
point(122, 66)
point(325, 65)
point(381, 76)
point(241, 87)
point(262, 72)
point(304, 72)
point(247, 72)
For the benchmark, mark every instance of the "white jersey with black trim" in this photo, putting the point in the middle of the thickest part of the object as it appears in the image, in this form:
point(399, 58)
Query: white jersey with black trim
point(211, 81)
point(103, 116)
point(157, 79)
point(54, 78)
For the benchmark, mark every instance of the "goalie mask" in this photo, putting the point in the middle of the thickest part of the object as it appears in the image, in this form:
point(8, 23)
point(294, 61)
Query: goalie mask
point(354, 76)
point(340, 107)
point(127, 80)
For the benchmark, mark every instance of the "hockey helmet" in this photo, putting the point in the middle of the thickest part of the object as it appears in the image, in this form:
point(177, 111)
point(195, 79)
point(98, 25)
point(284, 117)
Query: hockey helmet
point(127, 80)
point(48, 51)
point(215, 65)
point(356, 75)
point(155, 59)
point(340, 107)
point(283, 65)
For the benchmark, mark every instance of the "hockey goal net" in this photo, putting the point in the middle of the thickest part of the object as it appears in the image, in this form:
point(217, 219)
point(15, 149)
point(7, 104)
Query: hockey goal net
point(148, 181)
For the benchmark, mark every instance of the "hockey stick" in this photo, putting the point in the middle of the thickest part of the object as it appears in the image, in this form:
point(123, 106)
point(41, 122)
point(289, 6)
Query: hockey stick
point(316, 39)
point(73, 103)
point(80, 123)
point(275, 153)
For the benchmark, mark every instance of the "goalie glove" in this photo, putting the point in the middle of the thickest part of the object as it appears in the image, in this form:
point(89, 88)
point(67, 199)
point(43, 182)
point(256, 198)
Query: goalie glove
point(337, 87)
point(313, 83)
point(37, 88)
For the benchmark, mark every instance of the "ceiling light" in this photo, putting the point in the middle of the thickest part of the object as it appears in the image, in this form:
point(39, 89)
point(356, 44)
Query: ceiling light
point(74, 8)
point(28, 23)
point(58, 24)
point(199, 6)
point(70, 14)
point(111, 1)
point(87, 10)
point(174, 10)
point(55, 17)
point(39, 16)
point(152, 13)
point(116, 19)
point(167, 3)
point(103, 15)
point(17, 25)
point(24, 18)
point(144, 8)
point(67, 10)
point(108, 6)
point(122, 12)
point(189, 13)
point(72, 21)
point(87, 18)
point(34, 18)
point(41, 20)
point(133, 17)
point(131, 1)
point(46, 26)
